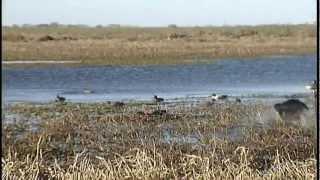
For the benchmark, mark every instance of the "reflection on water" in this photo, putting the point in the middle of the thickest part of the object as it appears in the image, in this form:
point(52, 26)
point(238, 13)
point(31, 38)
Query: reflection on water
point(277, 76)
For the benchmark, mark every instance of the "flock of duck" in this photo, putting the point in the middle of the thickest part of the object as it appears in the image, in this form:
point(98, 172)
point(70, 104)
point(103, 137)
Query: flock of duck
point(291, 106)
point(214, 97)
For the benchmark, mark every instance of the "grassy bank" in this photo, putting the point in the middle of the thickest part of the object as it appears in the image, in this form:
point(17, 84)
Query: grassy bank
point(133, 45)
point(137, 141)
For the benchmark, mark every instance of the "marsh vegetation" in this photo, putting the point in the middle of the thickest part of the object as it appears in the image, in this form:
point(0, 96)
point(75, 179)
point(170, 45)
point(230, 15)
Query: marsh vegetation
point(166, 45)
point(103, 141)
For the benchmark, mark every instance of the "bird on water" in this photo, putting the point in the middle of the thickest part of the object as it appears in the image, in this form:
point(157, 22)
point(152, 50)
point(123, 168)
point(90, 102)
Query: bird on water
point(158, 99)
point(215, 97)
point(60, 99)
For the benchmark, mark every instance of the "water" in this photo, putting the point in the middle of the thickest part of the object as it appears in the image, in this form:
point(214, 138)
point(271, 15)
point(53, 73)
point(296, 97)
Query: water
point(276, 76)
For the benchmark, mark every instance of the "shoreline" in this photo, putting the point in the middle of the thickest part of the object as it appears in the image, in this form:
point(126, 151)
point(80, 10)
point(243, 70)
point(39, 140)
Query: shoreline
point(83, 63)
point(40, 62)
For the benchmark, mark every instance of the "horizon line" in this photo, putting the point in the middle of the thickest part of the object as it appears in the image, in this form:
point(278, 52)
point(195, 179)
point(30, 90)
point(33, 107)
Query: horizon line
point(52, 24)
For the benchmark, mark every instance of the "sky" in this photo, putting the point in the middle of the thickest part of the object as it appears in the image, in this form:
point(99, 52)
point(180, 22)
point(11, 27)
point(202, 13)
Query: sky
point(159, 12)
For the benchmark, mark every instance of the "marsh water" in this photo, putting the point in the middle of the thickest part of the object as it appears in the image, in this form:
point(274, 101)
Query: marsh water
point(274, 76)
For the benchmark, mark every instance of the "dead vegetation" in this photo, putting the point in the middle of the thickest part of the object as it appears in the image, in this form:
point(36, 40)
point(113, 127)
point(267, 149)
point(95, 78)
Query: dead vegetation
point(176, 36)
point(173, 142)
point(15, 38)
point(124, 45)
point(52, 38)
point(47, 38)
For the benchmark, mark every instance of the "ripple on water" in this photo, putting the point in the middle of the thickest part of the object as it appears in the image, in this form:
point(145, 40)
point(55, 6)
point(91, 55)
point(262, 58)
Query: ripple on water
point(264, 76)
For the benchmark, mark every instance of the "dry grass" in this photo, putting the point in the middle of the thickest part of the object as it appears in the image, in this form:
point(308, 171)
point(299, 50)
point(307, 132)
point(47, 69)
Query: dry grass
point(155, 45)
point(100, 141)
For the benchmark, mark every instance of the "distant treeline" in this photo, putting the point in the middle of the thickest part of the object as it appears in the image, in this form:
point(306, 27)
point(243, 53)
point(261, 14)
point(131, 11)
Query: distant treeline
point(56, 24)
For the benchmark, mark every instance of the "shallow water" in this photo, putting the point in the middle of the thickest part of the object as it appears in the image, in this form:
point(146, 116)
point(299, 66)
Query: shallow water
point(264, 77)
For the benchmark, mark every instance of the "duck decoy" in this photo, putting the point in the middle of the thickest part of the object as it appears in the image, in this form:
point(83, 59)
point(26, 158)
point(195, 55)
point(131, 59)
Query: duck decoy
point(215, 97)
point(60, 99)
point(158, 99)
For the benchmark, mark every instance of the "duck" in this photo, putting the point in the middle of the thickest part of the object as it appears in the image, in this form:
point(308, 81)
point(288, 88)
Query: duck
point(215, 97)
point(60, 99)
point(238, 100)
point(158, 99)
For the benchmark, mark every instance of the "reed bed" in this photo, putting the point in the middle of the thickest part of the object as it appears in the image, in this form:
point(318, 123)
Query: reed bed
point(136, 46)
point(101, 141)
